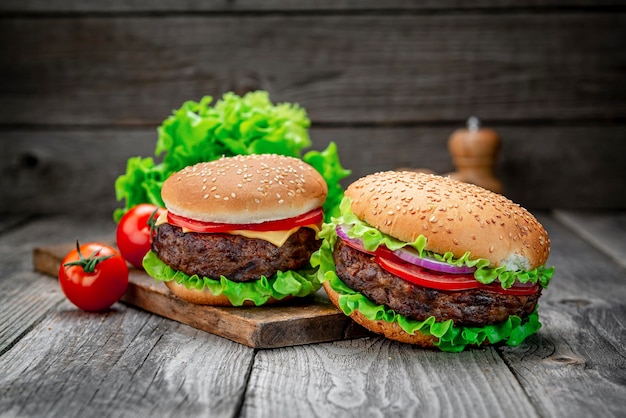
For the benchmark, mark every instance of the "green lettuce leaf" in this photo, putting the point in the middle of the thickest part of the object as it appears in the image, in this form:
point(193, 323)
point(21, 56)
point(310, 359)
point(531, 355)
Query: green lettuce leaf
point(290, 283)
point(200, 132)
point(327, 163)
point(373, 238)
point(451, 338)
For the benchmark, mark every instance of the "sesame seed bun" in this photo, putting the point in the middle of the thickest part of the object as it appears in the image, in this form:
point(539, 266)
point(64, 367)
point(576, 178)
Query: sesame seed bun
point(453, 216)
point(245, 189)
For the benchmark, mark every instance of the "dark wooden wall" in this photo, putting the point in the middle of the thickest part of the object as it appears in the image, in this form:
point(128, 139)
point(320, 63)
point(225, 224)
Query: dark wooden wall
point(84, 85)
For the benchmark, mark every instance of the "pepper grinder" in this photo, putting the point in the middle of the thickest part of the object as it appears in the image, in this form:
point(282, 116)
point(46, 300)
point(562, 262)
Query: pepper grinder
point(474, 152)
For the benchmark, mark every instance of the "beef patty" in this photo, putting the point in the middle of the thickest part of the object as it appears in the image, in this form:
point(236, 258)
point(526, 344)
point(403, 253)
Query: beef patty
point(235, 257)
point(360, 272)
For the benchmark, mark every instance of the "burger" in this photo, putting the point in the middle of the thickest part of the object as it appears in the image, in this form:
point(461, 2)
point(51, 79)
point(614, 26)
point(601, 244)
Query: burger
point(432, 261)
point(239, 231)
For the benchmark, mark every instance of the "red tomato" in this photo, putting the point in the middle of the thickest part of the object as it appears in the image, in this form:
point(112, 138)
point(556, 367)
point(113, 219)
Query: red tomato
point(443, 281)
point(134, 232)
point(313, 217)
point(93, 276)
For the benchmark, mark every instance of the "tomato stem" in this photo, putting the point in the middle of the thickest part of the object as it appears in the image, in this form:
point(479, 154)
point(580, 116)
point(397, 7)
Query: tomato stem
point(152, 221)
point(88, 264)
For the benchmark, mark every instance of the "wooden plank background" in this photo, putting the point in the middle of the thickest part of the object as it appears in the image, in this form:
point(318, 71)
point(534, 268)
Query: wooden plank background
point(127, 362)
point(84, 86)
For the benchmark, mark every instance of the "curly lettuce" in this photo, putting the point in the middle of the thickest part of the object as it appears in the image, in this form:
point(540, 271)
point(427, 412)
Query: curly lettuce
point(202, 131)
point(450, 338)
point(373, 238)
point(289, 283)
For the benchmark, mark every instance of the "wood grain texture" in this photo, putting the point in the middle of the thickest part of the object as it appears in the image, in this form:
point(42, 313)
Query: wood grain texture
point(575, 364)
point(130, 363)
point(310, 320)
point(94, 80)
point(378, 377)
point(123, 363)
point(19, 314)
point(61, 171)
point(48, 178)
point(189, 6)
point(374, 69)
point(541, 166)
point(606, 230)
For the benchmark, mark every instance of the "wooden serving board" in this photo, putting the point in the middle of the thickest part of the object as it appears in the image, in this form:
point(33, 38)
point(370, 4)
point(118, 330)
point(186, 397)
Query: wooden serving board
point(310, 320)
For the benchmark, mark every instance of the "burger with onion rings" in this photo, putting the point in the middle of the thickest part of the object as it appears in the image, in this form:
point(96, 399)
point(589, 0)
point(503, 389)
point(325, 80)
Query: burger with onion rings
point(432, 261)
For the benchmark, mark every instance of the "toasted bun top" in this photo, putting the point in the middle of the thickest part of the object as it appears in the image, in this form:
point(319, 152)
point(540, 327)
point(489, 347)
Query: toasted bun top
point(452, 215)
point(245, 189)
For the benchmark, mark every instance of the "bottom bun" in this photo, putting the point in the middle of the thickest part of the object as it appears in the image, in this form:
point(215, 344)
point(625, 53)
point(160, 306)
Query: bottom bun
point(205, 297)
point(390, 330)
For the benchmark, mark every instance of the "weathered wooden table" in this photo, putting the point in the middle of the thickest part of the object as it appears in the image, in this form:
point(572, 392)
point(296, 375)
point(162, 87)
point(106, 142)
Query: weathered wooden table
point(58, 361)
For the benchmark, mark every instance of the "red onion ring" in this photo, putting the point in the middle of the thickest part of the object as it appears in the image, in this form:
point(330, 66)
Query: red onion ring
point(407, 254)
point(342, 232)
point(410, 255)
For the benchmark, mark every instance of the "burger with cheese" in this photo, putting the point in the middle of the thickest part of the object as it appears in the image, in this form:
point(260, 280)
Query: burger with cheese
point(239, 231)
point(435, 262)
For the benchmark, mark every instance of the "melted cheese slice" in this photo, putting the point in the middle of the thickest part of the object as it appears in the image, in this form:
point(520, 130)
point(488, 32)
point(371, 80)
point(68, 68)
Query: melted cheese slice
point(278, 238)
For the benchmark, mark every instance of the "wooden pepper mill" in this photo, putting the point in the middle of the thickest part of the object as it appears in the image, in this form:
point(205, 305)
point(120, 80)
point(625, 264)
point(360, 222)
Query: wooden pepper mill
point(474, 152)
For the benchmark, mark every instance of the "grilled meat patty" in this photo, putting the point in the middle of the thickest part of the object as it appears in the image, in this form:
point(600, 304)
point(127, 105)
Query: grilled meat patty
point(477, 307)
point(235, 257)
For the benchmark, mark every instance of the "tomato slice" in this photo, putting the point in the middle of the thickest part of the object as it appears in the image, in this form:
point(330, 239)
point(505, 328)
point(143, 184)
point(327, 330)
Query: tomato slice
point(443, 281)
point(314, 217)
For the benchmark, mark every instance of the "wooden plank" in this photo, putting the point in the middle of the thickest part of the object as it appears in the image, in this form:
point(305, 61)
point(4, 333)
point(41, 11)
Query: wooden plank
point(310, 320)
point(574, 365)
point(18, 316)
point(125, 362)
point(25, 299)
point(170, 6)
point(532, 165)
point(9, 221)
point(351, 68)
point(49, 178)
point(605, 230)
point(377, 377)
point(540, 166)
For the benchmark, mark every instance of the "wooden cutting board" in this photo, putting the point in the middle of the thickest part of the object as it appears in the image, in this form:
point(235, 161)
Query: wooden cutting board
point(310, 320)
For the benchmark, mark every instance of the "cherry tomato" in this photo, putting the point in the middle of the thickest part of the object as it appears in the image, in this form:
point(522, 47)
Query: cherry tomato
point(93, 276)
point(310, 218)
point(134, 232)
point(443, 281)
